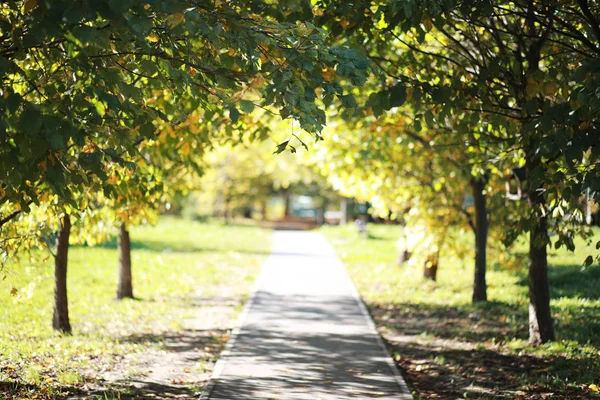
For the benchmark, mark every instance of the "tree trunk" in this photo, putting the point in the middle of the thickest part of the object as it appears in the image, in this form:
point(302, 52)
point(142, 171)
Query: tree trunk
point(227, 212)
point(124, 285)
point(431, 266)
point(60, 319)
point(263, 209)
point(541, 328)
point(344, 212)
point(589, 204)
point(481, 232)
point(403, 256)
point(321, 212)
point(288, 203)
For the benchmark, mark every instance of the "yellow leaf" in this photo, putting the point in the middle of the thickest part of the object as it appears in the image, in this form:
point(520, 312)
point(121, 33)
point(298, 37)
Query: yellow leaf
point(185, 149)
point(175, 20)
point(152, 38)
point(43, 197)
point(89, 148)
point(428, 24)
point(550, 89)
point(263, 57)
point(594, 388)
point(533, 87)
point(29, 5)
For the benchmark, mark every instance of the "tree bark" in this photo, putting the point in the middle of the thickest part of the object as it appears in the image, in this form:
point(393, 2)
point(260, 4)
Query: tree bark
point(287, 196)
point(124, 285)
point(344, 211)
point(60, 318)
point(321, 212)
point(481, 233)
point(228, 212)
point(541, 327)
point(431, 267)
point(263, 210)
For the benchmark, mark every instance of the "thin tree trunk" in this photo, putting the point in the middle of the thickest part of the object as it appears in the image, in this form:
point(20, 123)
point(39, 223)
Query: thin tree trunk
point(431, 266)
point(227, 213)
point(60, 319)
point(288, 202)
point(124, 286)
point(344, 211)
point(321, 212)
point(263, 209)
point(541, 327)
point(481, 232)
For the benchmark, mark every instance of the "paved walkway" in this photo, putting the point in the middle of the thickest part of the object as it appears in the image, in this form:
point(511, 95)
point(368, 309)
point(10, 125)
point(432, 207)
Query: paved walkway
point(305, 334)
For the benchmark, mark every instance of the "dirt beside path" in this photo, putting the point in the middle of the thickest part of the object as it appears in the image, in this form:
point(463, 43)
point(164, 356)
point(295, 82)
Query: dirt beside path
point(183, 360)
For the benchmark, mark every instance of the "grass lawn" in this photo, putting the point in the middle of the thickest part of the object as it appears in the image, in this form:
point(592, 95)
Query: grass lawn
point(448, 348)
point(190, 281)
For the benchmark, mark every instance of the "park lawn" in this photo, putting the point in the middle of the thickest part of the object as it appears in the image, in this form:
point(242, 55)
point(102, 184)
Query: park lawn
point(181, 269)
point(448, 348)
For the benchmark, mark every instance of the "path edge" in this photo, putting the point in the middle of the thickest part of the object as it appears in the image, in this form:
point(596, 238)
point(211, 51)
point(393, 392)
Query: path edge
point(220, 364)
point(405, 393)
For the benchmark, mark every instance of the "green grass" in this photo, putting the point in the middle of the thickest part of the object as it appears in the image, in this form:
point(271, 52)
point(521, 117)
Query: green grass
point(177, 265)
point(450, 348)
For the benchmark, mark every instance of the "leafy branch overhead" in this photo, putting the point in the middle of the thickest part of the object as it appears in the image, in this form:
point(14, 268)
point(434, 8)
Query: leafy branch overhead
point(90, 85)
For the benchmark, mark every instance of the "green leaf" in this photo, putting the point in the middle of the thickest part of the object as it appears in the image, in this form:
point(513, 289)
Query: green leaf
point(234, 114)
point(362, 64)
point(348, 101)
point(30, 121)
point(397, 95)
point(281, 147)
point(588, 261)
point(418, 125)
point(85, 34)
point(148, 67)
point(531, 107)
point(13, 102)
point(56, 140)
point(147, 129)
point(247, 106)
point(429, 119)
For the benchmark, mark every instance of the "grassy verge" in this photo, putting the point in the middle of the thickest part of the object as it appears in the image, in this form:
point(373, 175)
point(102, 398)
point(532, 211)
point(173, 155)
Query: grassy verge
point(449, 348)
point(181, 270)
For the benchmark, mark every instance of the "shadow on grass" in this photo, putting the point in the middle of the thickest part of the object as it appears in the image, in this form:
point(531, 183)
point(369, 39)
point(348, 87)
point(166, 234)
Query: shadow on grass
point(461, 355)
point(493, 321)
point(575, 281)
point(371, 236)
point(162, 247)
point(441, 371)
point(188, 340)
point(570, 281)
point(449, 352)
point(13, 390)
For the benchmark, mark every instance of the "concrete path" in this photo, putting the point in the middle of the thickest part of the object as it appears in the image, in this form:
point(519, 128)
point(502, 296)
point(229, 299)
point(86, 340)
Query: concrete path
point(305, 334)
